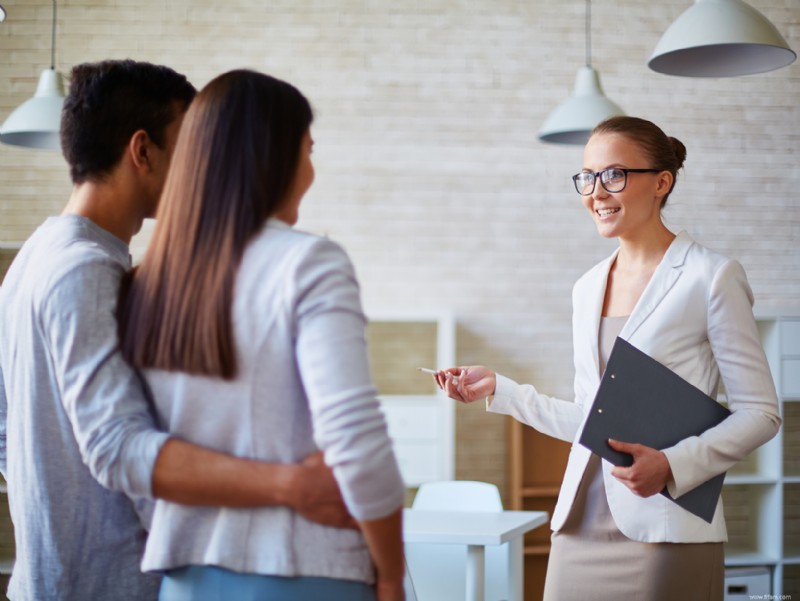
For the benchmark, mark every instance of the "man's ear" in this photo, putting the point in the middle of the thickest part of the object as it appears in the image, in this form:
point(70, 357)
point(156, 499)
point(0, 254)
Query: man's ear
point(139, 149)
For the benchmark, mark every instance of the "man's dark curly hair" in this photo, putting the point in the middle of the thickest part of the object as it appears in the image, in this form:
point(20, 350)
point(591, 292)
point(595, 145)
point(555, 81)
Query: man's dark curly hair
point(108, 102)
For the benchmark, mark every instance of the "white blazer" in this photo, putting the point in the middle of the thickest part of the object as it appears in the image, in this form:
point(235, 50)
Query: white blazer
point(695, 317)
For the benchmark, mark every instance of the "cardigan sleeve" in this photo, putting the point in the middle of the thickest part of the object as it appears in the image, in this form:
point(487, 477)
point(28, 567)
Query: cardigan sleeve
point(332, 357)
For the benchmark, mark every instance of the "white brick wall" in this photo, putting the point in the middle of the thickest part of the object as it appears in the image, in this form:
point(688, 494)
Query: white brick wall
point(428, 167)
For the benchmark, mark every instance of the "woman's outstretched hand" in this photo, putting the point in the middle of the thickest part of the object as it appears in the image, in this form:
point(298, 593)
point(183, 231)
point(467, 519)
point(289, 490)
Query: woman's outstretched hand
point(467, 384)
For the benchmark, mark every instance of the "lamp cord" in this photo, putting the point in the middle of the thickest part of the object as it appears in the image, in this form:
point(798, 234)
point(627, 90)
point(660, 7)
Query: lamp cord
point(53, 41)
point(588, 33)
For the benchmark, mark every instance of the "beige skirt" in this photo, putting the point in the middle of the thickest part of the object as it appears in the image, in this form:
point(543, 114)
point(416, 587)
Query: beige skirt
point(591, 560)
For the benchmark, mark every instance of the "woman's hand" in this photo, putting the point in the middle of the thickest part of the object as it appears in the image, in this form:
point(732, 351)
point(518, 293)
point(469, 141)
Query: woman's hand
point(649, 473)
point(467, 384)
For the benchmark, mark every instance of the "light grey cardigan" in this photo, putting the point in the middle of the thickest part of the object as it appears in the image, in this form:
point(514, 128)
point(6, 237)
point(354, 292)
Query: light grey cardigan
point(303, 383)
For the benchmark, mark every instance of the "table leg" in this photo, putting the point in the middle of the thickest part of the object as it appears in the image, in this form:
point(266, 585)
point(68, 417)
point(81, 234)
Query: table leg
point(516, 560)
point(475, 572)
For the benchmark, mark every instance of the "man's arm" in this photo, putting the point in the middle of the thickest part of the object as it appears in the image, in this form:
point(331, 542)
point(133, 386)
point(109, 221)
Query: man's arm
point(192, 475)
point(115, 428)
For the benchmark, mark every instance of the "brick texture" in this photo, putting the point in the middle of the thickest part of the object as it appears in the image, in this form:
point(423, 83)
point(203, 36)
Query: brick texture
point(428, 167)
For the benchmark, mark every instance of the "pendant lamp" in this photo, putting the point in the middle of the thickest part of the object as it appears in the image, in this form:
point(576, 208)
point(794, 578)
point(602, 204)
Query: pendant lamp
point(720, 38)
point(574, 119)
point(36, 122)
point(2, 14)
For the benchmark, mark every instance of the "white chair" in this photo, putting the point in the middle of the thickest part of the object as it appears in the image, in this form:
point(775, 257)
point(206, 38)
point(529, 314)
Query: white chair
point(439, 572)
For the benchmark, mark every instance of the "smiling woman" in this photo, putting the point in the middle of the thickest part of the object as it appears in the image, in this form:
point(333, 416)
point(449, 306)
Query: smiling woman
point(637, 165)
point(689, 308)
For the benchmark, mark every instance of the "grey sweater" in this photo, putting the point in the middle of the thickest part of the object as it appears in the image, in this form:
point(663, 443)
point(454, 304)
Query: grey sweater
point(67, 397)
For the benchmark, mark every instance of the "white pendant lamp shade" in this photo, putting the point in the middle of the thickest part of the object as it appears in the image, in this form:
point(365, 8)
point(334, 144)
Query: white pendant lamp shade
point(574, 119)
point(36, 122)
point(720, 38)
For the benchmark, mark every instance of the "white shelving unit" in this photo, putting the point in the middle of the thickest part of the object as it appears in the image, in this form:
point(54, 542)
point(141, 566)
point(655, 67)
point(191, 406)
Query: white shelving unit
point(762, 494)
point(421, 419)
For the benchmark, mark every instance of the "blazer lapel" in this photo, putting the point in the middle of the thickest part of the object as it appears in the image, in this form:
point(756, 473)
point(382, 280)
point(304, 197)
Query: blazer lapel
point(664, 278)
point(594, 311)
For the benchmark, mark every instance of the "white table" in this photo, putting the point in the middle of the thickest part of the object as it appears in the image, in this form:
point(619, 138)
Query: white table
point(476, 530)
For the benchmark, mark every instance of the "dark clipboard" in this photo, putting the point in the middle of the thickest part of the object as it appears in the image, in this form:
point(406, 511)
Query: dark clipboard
point(642, 401)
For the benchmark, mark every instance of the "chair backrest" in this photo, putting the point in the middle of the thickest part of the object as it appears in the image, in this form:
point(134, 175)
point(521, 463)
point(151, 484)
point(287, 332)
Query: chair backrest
point(458, 495)
point(439, 572)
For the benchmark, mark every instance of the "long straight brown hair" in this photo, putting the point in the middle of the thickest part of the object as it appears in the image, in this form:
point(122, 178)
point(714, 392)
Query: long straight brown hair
point(235, 161)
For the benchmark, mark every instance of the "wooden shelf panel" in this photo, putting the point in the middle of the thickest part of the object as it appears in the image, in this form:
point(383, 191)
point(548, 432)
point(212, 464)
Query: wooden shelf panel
point(545, 460)
point(540, 491)
point(537, 550)
point(535, 570)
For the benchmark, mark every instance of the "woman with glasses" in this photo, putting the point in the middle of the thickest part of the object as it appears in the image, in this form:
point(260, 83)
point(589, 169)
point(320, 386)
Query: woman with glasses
point(688, 307)
point(250, 335)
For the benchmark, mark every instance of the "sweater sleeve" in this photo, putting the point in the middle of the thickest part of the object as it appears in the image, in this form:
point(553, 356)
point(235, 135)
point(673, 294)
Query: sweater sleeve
point(331, 353)
point(102, 395)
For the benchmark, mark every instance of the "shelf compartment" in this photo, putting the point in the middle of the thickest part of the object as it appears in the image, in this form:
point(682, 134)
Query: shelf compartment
point(733, 559)
point(396, 349)
point(537, 550)
point(790, 359)
point(747, 508)
point(790, 337)
point(791, 578)
point(762, 465)
point(790, 379)
point(7, 551)
point(420, 418)
point(7, 253)
point(791, 520)
point(535, 571)
point(539, 537)
point(544, 461)
point(791, 439)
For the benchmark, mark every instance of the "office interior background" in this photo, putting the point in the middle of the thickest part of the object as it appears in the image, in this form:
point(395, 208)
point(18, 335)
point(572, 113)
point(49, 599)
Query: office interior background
point(429, 170)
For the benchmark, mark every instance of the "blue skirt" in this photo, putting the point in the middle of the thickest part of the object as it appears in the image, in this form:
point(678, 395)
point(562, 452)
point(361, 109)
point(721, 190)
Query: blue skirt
point(211, 583)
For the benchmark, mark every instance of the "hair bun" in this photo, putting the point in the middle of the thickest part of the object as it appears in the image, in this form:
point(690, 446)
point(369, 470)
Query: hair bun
point(680, 152)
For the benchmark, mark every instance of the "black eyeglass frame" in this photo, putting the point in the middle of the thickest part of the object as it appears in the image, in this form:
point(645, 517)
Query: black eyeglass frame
point(599, 175)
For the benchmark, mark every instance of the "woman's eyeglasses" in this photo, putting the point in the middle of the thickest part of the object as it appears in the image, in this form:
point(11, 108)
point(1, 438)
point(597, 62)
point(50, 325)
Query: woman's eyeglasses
point(613, 179)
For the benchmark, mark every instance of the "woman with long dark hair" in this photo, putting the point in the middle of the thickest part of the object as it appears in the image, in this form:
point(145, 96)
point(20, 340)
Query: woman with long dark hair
point(251, 337)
